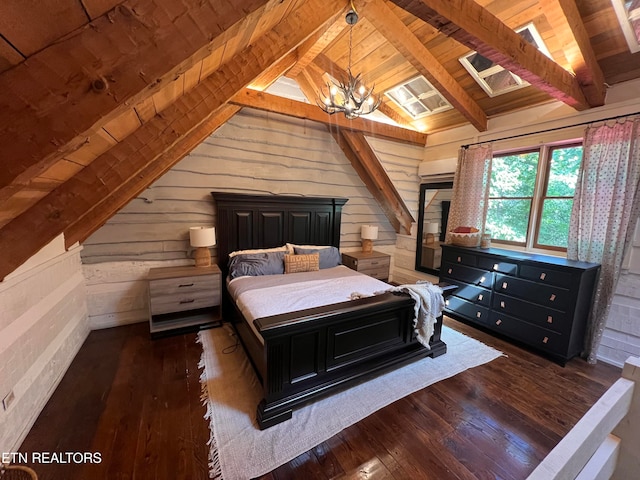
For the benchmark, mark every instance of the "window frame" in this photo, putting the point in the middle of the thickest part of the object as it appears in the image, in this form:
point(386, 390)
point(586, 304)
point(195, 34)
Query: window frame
point(545, 154)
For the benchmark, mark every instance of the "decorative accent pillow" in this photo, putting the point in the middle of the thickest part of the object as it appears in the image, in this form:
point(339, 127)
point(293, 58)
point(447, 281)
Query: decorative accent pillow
point(254, 264)
point(329, 256)
point(301, 263)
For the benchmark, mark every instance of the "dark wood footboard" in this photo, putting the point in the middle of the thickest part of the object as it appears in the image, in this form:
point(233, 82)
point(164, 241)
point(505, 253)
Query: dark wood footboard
point(310, 353)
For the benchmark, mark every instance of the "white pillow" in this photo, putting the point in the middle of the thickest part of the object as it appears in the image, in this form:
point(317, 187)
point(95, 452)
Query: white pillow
point(283, 248)
point(291, 247)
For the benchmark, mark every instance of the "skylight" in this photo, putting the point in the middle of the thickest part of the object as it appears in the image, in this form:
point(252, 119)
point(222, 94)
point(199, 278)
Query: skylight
point(418, 98)
point(493, 78)
point(628, 12)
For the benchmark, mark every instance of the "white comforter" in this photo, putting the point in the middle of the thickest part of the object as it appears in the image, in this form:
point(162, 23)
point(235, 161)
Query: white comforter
point(263, 296)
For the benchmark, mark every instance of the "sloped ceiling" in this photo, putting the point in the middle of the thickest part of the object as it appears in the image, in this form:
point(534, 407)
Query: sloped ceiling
point(98, 98)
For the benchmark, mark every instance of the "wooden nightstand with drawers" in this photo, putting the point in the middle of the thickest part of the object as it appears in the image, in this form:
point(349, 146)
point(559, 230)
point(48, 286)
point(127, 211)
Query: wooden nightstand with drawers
point(374, 264)
point(184, 297)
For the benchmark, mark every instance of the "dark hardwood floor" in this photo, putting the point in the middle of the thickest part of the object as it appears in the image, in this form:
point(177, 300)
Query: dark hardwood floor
point(136, 401)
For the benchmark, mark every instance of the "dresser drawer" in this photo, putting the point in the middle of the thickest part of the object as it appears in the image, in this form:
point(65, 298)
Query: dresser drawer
point(469, 275)
point(542, 316)
point(183, 285)
point(456, 256)
point(551, 296)
point(470, 293)
point(184, 302)
point(497, 265)
point(467, 309)
point(379, 272)
point(547, 275)
point(372, 263)
point(533, 335)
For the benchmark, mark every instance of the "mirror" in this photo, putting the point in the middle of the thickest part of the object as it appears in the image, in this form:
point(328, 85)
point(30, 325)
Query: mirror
point(435, 199)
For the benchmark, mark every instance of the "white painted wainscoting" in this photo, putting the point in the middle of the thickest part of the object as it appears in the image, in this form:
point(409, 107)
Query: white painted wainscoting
point(43, 323)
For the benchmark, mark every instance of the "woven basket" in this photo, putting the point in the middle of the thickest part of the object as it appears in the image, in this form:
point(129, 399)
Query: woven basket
point(465, 239)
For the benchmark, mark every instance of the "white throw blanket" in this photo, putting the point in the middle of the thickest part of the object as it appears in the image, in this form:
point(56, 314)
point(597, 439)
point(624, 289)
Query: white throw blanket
point(429, 303)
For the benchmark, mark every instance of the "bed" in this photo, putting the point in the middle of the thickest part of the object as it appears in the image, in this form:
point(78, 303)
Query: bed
point(304, 354)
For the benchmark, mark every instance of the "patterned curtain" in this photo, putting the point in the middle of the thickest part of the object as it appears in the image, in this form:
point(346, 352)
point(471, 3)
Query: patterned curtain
point(605, 211)
point(470, 188)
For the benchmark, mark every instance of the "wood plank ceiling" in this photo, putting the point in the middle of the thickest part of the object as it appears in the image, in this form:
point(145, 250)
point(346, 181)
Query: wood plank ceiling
point(98, 98)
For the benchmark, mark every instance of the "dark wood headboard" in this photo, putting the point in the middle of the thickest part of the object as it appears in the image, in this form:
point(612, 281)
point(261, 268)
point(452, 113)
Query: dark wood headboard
point(264, 221)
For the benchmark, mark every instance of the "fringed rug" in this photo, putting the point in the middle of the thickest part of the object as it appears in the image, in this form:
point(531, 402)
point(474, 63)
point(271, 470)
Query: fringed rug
point(231, 392)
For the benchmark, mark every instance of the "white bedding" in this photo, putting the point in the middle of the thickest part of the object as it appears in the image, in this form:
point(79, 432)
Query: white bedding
point(263, 296)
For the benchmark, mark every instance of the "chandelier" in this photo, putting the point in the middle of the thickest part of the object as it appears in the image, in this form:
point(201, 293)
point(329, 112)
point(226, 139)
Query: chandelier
point(350, 97)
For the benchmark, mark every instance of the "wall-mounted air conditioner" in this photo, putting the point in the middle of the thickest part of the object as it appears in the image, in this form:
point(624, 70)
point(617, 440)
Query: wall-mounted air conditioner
point(435, 171)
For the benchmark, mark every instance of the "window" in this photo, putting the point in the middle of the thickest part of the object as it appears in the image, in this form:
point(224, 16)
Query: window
point(418, 98)
point(628, 13)
point(494, 79)
point(531, 196)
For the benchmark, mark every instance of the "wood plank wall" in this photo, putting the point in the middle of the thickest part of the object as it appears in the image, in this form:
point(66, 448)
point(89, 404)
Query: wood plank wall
point(255, 152)
point(43, 323)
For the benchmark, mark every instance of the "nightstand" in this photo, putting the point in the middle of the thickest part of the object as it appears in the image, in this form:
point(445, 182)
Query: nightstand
point(184, 297)
point(374, 264)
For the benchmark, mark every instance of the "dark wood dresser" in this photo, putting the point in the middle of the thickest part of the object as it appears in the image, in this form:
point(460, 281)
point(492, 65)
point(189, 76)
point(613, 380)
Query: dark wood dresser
point(538, 300)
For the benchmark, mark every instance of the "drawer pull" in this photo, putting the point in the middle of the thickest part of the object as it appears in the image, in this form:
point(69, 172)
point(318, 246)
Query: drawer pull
point(374, 263)
point(459, 259)
point(187, 301)
point(549, 319)
point(449, 271)
point(186, 285)
point(446, 302)
point(504, 285)
point(543, 276)
point(480, 297)
point(482, 279)
point(478, 314)
point(498, 322)
point(552, 297)
point(501, 304)
point(545, 340)
point(496, 266)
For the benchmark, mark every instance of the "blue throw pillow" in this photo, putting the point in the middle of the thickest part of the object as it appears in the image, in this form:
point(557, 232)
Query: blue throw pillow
point(254, 264)
point(329, 257)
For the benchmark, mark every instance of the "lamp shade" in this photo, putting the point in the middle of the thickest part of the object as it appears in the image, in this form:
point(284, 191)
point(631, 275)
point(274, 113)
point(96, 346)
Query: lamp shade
point(430, 228)
point(369, 232)
point(202, 236)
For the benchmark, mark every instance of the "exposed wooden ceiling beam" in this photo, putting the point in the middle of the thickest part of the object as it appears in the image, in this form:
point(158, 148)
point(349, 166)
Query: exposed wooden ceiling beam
point(372, 173)
point(565, 19)
point(272, 103)
point(102, 179)
point(313, 47)
point(480, 30)
point(90, 222)
point(132, 50)
point(326, 65)
point(366, 164)
point(396, 33)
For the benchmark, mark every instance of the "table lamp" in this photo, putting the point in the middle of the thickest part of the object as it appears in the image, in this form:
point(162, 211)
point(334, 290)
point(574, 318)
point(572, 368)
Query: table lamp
point(430, 229)
point(202, 238)
point(368, 233)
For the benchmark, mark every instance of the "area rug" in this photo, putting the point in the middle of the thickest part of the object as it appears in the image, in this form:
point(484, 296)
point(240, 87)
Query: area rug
point(231, 392)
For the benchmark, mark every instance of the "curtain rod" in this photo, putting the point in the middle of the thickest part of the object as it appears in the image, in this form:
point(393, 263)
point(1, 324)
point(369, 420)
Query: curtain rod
point(551, 129)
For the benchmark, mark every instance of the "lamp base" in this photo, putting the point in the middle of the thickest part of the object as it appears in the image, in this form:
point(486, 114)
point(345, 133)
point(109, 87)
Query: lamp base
point(203, 257)
point(367, 246)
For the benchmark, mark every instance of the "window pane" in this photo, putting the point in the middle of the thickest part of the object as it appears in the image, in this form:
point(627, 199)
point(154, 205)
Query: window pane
point(500, 81)
point(563, 171)
point(554, 222)
point(514, 175)
point(508, 219)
